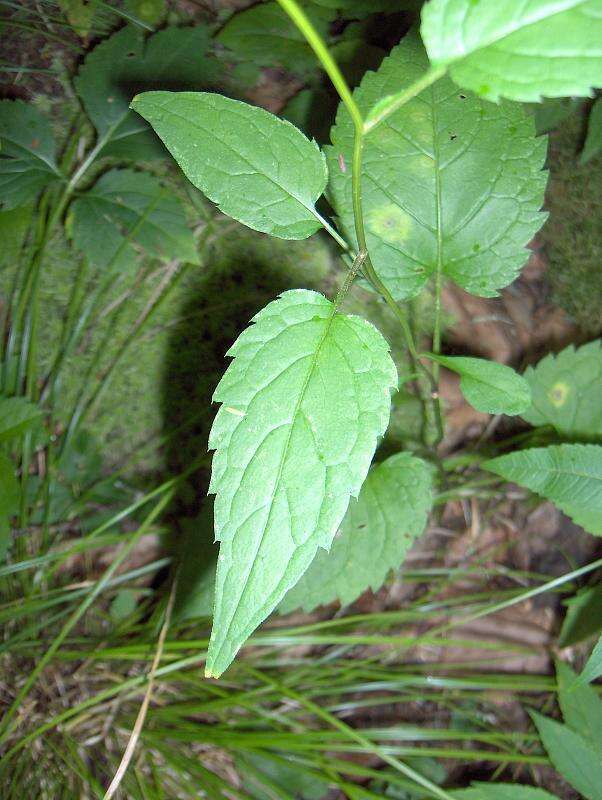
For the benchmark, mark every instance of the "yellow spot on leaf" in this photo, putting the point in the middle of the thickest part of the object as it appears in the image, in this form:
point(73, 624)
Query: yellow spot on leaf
point(390, 223)
point(559, 393)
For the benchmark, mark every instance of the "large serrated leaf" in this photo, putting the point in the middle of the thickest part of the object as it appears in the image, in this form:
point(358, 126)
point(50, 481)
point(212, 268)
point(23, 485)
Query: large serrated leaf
point(570, 475)
point(566, 390)
point(27, 155)
point(259, 169)
point(581, 707)
point(303, 404)
point(449, 181)
point(571, 755)
point(377, 532)
point(125, 64)
point(124, 207)
point(489, 387)
point(519, 49)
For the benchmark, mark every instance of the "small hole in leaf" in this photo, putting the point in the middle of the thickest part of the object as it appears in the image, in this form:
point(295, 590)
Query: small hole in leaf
point(462, 96)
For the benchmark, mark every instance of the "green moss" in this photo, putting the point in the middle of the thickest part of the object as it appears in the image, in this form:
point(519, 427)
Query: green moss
point(573, 232)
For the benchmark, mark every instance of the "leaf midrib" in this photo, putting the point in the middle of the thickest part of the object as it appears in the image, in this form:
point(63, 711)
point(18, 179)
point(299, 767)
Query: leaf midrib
point(283, 457)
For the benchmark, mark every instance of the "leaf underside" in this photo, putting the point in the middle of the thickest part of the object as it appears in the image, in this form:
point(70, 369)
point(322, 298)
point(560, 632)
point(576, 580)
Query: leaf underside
point(566, 390)
point(303, 403)
point(125, 207)
point(570, 475)
point(259, 169)
point(449, 180)
point(376, 534)
point(519, 50)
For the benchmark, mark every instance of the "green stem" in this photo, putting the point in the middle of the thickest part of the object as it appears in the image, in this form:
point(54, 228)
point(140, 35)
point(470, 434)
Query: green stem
point(403, 97)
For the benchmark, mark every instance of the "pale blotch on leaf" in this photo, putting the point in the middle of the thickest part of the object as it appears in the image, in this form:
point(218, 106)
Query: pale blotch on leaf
point(559, 393)
point(390, 223)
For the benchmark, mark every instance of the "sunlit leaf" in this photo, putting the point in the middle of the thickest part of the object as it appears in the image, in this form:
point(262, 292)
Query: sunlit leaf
point(570, 475)
point(448, 180)
point(567, 391)
point(259, 169)
point(489, 387)
point(378, 530)
point(516, 49)
point(302, 406)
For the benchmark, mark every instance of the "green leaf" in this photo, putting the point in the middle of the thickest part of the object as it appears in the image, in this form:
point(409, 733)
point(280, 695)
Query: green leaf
point(265, 35)
point(570, 475)
point(449, 180)
point(593, 140)
point(151, 11)
point(378, 530)
point(10, 494)
point(27, 151)
point(581, 707)
point(125, 64)
point(571, 756)
point(267, 777)
point(14, 224)
point(501, 791)
point(593, 667)
point(550, 113)
point(80, 14)
point(566, 391)
point(488, 386)
point(303, 404)
point(583, 617)
point(124, 207)
point(259, 169)
point(519, 50)
point(17, 415)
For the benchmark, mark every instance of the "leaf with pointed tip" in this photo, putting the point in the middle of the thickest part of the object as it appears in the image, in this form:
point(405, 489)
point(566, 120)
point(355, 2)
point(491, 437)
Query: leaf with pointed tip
point(27, 153)
point(448, 180)
point(378, 530)
point(259, 169)
point(566, 390)
point(516, 49)
point(489, 387)
point(581, 706)
point(124, 207)
point(570, 475)
point(126, 63)
point(571, 755)
point(593, 667)
point(303, 404)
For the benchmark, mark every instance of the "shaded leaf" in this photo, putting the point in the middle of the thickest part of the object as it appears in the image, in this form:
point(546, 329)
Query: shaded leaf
point(378, 530)
point(151, 11)
point(566, 391)
point(80, 14)
point(501, 791)
point(124, 207)
point(593, 140)
point(570, 475)
point(265, 35)
point(581, 707)
point(259, 169)
point(303, 403)
point(519, 50)
point(27, 153)
point(489, 387)
point(550, 113)
point(265, 776)
point(125, 64)
point(583, 617)
point(14, 224)
point(17, 415)
point(10, 494)
point(448, 180)
point(571, 756)
point(593, 667)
